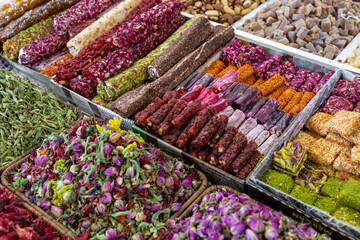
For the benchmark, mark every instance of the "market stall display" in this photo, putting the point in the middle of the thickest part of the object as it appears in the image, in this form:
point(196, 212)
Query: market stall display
point(126, 187)
point(244, 218)
point(323, 28)
point(29, 115)
point(18, 223)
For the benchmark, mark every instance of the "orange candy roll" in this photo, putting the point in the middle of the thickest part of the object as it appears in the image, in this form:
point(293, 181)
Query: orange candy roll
point(250, 80)
point(225, 71)
point(277, 93)
point(286, 97)
point(306, 98)
point(271, 84)
point(295, 110)
point(50, 70)
point(244, 73)
point(258, 82)
point(294, 101)
point(215, 68)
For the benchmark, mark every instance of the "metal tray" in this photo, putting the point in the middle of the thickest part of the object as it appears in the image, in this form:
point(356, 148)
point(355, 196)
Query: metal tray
point(259, 189)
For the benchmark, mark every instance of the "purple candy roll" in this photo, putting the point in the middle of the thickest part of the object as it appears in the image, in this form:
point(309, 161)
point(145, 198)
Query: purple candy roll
point(273, 119)
point(213, 82)
point(281, 125)
point(225, 81)
point(247, 98)
point(236, 92)
point(299, 78)
point(41, 48)
point(189, 84)
point(336, 103)
point(311, 81)
point(265, 112)
point(204, 80)
point(322, 82)
point(257, 107)
point(272, 62)
point(347, 90)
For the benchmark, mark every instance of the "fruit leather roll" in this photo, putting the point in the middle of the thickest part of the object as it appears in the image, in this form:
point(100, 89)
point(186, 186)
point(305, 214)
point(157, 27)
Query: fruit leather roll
point(272, 62)
point(138, 98)
point(224, 141)
point(264, 113)
point(336, 103)
point(157, 117)
point(189, 84)
point(273, 119)
point(262, 137)
point(265, 147)
point(223, 120)
point(108, 22)
point(33, 16)
point(121, 59)
point(299, 78)
point(225, 71)
point(79, 13)
point(243, 102)
point(225, 81)
point(206, 133)
point(173, 135)
point(12, 46)
point(244, 156)
point(236, 92)
point(271, 84)
point(294, 100)
point(258, 83)
point(259, 104)
point(227, 111)
point(248, 125)
point(203, 81)
point(190, 96)
point(347, 89)
point(236, 119)
point(285, 97)
point(136, 75)
point(311, 81)
point(173, 94)
point(232, 151)
point(281, 125)
point(188, 42)
point(41, 48)
point(244, 72)
point(146, 23)
point(177, 109)
point(17, 9)
point(142, 116)
point(191, 109)
point(200, 119)
point(322, 82)
point(254, 133)
point(215, 68)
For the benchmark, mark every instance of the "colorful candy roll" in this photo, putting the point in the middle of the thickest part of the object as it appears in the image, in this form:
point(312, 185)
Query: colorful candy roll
point(299, 78)
point(243, 157)
point(272, 62)
point(273, 119)
point(166, 124)
point(225, 81)
point(347, 89)
point(223, 120)
point(236, 119)
point(265, 112)
point(12, 46)
point(50, 70)
point(265, 147)
point(215, 68)
point(285, 97)
point(33, 16)
point(41, 48)
point(49, 60)
point(225, 71)
point(236, 92)
point(294, 100)
point(145, 24)
point(84, 86)
point(247, 98)
point(281, 125)
point(271, 84)
point(142, 116)
point(189, 84)
point(221, 146)
point(239, 142)
point(259, 104)
point(138, 73)
point(203, 81)
point(201, 119)
point(173, 94)
point(227, 111)
point(206, 133)
point(254, 133)
point(157, 117)
point(258, 83)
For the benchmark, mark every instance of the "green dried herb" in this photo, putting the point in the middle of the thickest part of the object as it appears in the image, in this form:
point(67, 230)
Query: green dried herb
point(27, 116)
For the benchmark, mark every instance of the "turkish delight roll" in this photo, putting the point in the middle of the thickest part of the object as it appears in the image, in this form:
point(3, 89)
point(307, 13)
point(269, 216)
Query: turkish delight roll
point(157, 117)
point(224, 141)
point(244, 72)
point(336, 103)
point(236, 118)
point(265, 147)
point(169, 95)
point(166, 124)
point(206, 133)
point(12, 46)
point(17, 9)
point(133, 101)
point(189, 41)
point(216, 67)
point(225, 81)
point(344, 123)
point(236, 92)
point(355, 154)
point(227, 111)
point(50, 70)
point(223, 120)
point(262, 137)
point(322, 82)
point(105, 23)
point(247, 126)
point(311, 81)
point(258, 83)
point(259, 104)
point(84, 86)
point(41, 48)
point(137, 74)
point(254, 133)
point(191, 109)
point(200, 120)
point(225, 71)
point(239, 142)
point(285, 97)
point(273, 119)
point(277, 93)
point(250, 80)
point(271, 84)
point(244, 156)
point(295, 100)
point(299, 78)
point(264, 113)
point(281, 125)
point(272, 62)
point(347, 89)
point(318, 123)
point(251, 95)
point(142, 116)
point(33, 16)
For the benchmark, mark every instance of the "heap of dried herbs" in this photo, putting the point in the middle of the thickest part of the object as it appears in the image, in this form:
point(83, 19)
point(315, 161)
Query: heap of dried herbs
point(27, 116)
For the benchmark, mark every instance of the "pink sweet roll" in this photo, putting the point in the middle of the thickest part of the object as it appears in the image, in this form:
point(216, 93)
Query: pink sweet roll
point(263, 68)
point(79, 13)
point(205, 92)
point(347, 89)
point(266, 146)
point(212, 98)
point(262, 137)
point(227, 111)
point(84, 86)
point(41, 48)
point(236, 119)
point(225, 81)
point(322, 82)
point(220, 105)
point(311, 81)
point(337, 103)
point(299, 79)
point(254, 133)
point(247, 126)
point(146, 24)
